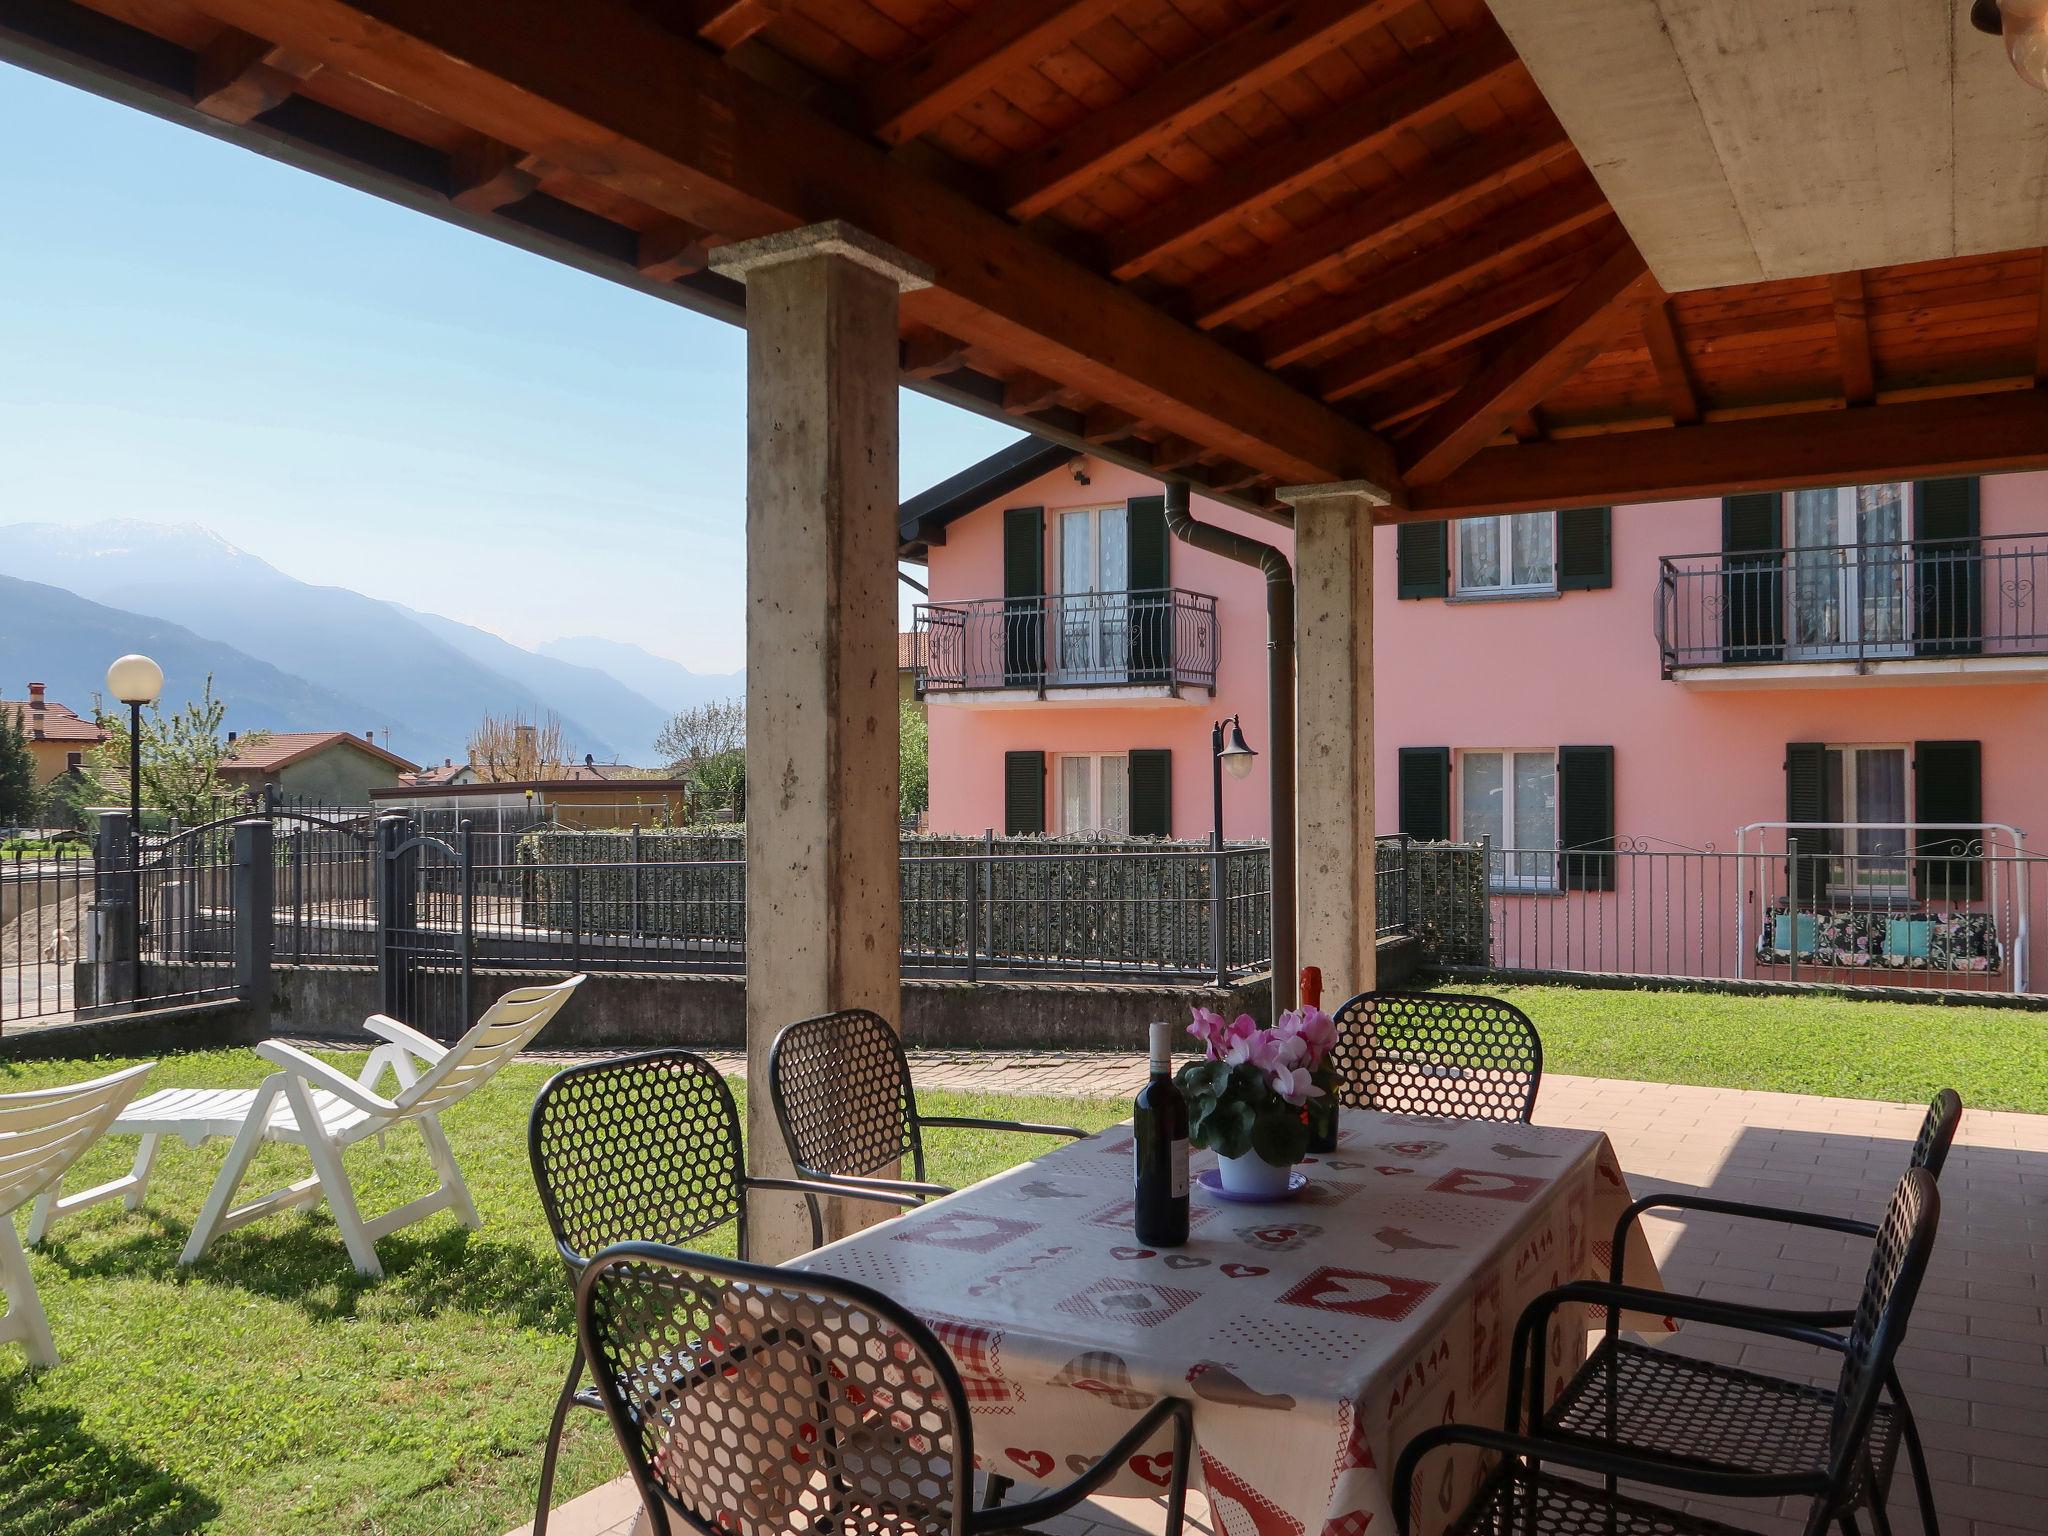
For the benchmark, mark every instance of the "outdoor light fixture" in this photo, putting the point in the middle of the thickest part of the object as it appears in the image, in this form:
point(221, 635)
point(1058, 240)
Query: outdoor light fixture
point(135, 681)
point(2024, 26)
point(1236, 754)
point(1230, 752)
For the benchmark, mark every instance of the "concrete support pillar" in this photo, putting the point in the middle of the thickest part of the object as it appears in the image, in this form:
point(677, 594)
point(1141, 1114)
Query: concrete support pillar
point(823, 926)
point(1338, 920)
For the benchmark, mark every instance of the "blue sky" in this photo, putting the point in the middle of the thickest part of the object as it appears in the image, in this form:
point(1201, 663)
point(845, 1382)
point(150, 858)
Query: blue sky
point(367, 397)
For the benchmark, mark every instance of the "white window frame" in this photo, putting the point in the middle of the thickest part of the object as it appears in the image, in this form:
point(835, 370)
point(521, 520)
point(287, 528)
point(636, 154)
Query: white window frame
point(1504, 523)
point(1543, 876)
point(1902, 888)
point(1842, 556)
point(1095, 761)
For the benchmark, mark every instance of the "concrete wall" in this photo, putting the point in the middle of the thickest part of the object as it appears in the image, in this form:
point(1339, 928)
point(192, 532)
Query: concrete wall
point(339, 775)
point(968, 740)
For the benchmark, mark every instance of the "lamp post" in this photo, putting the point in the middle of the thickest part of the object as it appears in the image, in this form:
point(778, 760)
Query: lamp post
point(135, 680)
point(1235, 754)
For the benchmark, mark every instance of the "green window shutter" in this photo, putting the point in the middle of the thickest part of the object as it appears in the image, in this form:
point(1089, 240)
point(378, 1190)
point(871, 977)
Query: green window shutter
point(1152, 792)
point(1151, 616)
point(1422, 560)
point(1948, 785)
point(1023, 793)
point(1585, 816)
point(1425, 793)
point(1806, 800)
point(1023, 596)
point(1947, 568)
point(1752, 578)
point(1584, 541)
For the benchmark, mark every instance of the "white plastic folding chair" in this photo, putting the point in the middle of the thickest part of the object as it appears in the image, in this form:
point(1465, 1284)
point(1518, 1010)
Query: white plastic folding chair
point(42, 1133)
point(307, 1103)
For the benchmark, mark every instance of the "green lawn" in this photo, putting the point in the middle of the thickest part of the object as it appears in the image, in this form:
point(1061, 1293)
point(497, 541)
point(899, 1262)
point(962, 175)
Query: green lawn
point(270, 1389)
point(1996, 1058)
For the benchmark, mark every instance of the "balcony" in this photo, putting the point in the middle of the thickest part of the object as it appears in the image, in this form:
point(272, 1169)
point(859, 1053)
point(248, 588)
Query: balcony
point(1147, 646)
point(1902, 612)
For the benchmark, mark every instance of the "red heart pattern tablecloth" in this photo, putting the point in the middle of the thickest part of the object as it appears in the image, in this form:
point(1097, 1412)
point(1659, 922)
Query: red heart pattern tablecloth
point(1313, 1337)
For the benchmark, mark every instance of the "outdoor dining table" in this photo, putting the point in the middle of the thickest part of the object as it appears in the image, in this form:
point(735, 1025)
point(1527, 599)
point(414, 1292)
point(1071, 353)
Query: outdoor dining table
point(1314, 1338)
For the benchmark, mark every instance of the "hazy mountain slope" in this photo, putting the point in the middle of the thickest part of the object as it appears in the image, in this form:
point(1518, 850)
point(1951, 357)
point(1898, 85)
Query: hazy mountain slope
point(627, 719)
point(413, 684)
point(668, 683)
point(48, 635)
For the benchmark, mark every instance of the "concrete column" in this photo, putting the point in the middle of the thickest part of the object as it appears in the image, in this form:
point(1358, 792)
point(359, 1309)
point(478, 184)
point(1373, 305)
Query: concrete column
point(1337, 920)
point(823, 927)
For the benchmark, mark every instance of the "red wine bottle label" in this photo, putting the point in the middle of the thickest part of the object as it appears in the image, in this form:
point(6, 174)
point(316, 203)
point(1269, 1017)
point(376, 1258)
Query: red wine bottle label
point(1178, 1161)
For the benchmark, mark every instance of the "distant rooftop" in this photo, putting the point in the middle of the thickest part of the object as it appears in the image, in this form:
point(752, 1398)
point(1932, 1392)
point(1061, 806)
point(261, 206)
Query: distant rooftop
point(279, 749)
point(42, 719)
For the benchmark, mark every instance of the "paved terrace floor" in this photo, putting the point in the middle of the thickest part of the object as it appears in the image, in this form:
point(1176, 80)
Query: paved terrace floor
point(1975, 1363)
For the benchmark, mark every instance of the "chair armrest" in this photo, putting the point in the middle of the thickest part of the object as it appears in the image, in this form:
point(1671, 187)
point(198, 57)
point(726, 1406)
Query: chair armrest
point(316, 1073)
point(840, 1190)
point(405, 1035)
point(1678, 1200)
point(974, 1123)
point(1595, 1459)
point(1027, 1512)
point(849, 1183)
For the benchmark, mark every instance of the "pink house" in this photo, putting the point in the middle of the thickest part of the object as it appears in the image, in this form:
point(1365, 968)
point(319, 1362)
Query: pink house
point(1661, 688)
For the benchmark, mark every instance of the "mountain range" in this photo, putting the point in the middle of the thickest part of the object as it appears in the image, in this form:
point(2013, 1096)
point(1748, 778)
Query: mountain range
point(331, 658)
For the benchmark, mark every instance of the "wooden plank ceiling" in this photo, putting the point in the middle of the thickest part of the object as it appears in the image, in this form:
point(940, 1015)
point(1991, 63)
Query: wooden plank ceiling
point(1243, 242)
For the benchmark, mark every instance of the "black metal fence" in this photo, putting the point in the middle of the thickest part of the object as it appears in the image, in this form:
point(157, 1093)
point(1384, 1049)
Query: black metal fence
point(1069, 640)
point(45, 909)
point(1873, 602)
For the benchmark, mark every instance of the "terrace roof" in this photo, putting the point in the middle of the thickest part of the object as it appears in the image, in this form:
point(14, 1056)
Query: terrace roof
point(1248, 244)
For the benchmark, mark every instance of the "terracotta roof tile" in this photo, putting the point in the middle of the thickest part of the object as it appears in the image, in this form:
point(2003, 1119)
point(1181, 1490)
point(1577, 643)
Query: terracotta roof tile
point(59, 723)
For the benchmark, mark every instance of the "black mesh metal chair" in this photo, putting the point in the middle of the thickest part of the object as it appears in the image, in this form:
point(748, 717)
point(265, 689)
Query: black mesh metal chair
point(640, 1147)
point(751, 1400)
point(1628, 1393)
point(1838, 1466)
point(1437, 1053)
point(840, 1084)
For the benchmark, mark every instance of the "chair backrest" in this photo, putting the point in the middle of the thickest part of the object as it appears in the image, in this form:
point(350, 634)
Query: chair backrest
point(642, 1148)
point(43, 1131)
point(841, 1088)
point(501, 1034)
point(1898, 1261)
point(754, 1400)
point(1938, 1132)
point(1437, 1053)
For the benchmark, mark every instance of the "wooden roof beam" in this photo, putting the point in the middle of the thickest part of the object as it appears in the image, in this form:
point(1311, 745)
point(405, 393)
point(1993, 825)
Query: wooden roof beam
point(1440, 83)
point(1377, 219)
point(1852, 337)
point(485, 175)
point(620, 100)
point(725, 24)
point(672, 249)
point(1541, 355)
point(1409, 284)
point(1027, 392)
point(1105, 424)
point(1667, 356)
point(239, 76)
point(999, 37)
point(2041, 330)
point(1233, 67)
point(1454, 326)
point(927, 354)
point(1965, 434)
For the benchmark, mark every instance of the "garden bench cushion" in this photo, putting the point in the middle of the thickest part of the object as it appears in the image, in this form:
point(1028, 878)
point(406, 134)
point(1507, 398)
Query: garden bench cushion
point(1892, 940)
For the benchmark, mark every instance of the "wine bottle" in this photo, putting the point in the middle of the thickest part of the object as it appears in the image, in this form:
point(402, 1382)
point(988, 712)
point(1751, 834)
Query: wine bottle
point(1159, 1135)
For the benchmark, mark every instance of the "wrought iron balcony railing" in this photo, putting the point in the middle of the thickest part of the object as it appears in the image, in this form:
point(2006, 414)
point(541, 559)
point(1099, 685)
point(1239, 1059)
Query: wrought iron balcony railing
point(1069, 640)
point(1855, 602)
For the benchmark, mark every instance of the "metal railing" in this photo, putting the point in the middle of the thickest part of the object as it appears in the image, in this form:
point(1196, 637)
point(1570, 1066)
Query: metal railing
point(1855, 602)
point(1069, 640)
point(45, 915)
point(1927, 907)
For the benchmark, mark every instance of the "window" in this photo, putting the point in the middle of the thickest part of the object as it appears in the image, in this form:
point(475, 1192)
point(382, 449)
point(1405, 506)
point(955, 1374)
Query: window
point(1095, 793)
point(1510, 799)
point(74, 762)
point(1850, 559)
point(1865, 784)
point(1511, 553)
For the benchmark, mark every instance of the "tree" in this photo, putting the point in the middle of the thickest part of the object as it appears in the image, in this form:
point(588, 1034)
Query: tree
point(19, 797)
point(915, 796)
point(719, 783)
point(181, 757)
point(701, 733)
point(510, 749)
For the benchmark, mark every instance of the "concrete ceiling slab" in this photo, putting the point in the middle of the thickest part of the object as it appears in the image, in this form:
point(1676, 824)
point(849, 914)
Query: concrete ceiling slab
point(1747, 140)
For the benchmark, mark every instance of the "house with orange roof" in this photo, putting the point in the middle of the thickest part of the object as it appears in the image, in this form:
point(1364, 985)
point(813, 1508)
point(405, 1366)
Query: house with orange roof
point(324, 767)
point(58, 737)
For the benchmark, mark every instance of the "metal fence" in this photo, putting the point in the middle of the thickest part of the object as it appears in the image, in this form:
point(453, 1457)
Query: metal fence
point(45, 905)
point(1068, 640)
point(1872, 602)
point(1920, 906)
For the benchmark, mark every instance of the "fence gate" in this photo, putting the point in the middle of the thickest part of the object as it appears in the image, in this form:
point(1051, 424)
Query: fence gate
point(425, 917)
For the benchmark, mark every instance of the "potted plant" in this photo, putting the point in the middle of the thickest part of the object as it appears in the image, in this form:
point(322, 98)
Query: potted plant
point(1248, 1095)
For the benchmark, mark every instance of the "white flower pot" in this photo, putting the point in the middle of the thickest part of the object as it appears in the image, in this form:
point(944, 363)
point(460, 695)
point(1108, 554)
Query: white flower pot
point(1252, 1175)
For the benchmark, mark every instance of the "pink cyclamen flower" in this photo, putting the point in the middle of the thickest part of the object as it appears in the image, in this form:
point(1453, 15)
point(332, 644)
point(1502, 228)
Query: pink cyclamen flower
point(1317, 1031)
point(1296, 1085)
point(1208, 1028)
point(1244, 1041)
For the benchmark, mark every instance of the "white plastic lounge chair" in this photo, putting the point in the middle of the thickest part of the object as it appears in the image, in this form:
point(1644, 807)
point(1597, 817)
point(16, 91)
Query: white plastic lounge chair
point(309, 1104)
point(42, 1133)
